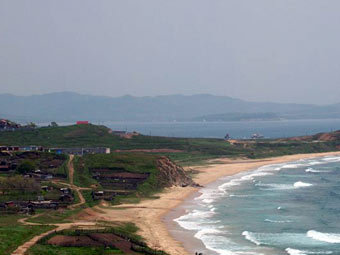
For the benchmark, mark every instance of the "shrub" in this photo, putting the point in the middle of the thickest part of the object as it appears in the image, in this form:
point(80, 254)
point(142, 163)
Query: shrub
point(26, 166)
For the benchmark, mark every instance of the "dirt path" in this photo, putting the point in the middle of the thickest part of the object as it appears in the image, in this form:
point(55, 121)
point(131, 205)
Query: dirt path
point(70, 169)
point(74, 187)
point(21, 250)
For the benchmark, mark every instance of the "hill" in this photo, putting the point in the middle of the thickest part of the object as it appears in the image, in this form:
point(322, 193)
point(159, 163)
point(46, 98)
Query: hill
point(324, 137)
point(180, 149)
point(68, 106)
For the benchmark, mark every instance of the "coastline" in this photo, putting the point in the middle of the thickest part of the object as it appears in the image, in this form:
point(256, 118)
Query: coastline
point(150, 215)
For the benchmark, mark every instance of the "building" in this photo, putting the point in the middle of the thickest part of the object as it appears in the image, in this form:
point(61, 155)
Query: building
point(32, 148)
point(6, 125)
point(9, 148)
point(82, 122)
point(81, 151)
point(119, 132)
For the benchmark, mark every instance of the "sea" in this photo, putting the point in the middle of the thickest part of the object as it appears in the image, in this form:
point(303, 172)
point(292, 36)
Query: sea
point(236, 129)
point(290, 208)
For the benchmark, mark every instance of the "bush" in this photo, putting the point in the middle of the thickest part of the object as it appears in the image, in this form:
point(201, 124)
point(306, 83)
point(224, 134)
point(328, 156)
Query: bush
point(18, 184)
point(26, 166)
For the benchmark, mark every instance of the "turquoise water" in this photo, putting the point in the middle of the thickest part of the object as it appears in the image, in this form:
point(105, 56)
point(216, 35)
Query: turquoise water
point(291, 208)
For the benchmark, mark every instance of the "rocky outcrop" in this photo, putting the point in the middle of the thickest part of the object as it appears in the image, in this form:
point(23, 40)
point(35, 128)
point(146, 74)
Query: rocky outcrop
point(172, 174)
point(324, 137)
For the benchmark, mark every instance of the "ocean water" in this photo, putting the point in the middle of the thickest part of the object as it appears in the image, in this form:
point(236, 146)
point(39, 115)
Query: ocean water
point(291, 208)
point(236, 129)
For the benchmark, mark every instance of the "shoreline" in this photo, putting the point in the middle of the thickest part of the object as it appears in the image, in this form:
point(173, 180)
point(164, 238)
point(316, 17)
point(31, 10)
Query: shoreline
point(151, 215)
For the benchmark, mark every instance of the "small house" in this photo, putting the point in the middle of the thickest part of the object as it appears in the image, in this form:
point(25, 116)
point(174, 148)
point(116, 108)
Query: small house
point(65, 190)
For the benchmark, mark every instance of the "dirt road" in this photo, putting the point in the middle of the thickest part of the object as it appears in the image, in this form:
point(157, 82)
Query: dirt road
point(21, 250)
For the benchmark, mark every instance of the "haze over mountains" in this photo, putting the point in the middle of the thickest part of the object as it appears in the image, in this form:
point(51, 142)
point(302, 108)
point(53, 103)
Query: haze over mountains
point(69, 106)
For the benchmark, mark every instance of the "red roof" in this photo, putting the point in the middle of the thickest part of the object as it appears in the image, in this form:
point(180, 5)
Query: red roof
point(81, 122)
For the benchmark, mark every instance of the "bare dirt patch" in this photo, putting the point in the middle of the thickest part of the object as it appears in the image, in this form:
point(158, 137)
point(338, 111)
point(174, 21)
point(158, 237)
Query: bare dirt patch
point(74, 241)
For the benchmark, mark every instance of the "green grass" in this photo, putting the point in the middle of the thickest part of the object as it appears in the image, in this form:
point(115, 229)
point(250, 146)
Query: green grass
point(13, 234)
point(131, 162)
point(63, 169)
point(82, 176)
point(40, 249)
point(193, 149)
point(55, 216)
point(91, 135)
point(87, 194)
point(127, 231)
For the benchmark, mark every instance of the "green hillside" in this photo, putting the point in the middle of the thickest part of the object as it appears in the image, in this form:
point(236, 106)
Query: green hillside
point(191, 149)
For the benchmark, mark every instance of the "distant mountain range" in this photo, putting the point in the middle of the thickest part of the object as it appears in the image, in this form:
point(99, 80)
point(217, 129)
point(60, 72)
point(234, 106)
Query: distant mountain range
point(69, 106)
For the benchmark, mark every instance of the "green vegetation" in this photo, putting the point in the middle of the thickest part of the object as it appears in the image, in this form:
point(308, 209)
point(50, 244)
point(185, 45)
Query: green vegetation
point(92, 135)
point(126, 231)
point(40, 249)
point(134, 163)
point(48, 216)
point(13, 234)
point(14, 187)
point(191, 150)
point(48, 163)
point(82, 176)
point(62, 171)
point(87, 194)
point(26, 166)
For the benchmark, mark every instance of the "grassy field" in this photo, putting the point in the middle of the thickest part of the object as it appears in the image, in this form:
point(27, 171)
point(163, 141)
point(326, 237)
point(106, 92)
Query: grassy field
point(91, 135)
point(40, 249)
point(130, 162)
point(13, 234)
point(126, 231)
point(193, 149)
point(48, 216)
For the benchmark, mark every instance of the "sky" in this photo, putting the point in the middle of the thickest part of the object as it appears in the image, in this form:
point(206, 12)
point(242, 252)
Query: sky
point(264, 50)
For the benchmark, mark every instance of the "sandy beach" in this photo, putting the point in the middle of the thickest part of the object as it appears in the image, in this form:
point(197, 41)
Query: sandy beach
point(149, 214)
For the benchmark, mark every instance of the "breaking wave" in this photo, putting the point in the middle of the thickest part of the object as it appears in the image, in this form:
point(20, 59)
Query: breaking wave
point(311, 170)
point(251, 237)
point(275, 186)
point(277, 221)
point(302, 184)
point(291, 251)
point(324, 237)
point(217, 206)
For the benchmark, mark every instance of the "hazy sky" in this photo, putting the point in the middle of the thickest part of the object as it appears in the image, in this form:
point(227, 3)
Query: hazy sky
point(260, 50)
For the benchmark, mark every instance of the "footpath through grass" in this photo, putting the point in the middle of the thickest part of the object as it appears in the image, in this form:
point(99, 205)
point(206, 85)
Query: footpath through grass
point(40, 249)
point(13, 234)
point(127, 233)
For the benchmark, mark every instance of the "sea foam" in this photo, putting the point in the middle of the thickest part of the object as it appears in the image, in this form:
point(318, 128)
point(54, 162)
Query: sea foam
point(311, 170)
point(291, 251)
point(277, 221)
point(324, 237)
point(278, 186)
point(300, 184)
point(251, 237)
point(213, 234)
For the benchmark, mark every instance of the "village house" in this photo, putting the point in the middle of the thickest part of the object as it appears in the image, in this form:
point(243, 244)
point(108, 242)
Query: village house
point(9, 148)
point(6, 125)
point(81, 151)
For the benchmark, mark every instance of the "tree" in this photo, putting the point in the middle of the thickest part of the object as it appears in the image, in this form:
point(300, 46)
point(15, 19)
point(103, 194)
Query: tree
point(31, 125)
point(54, 124)
point(18, 184)
point(26, 166)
